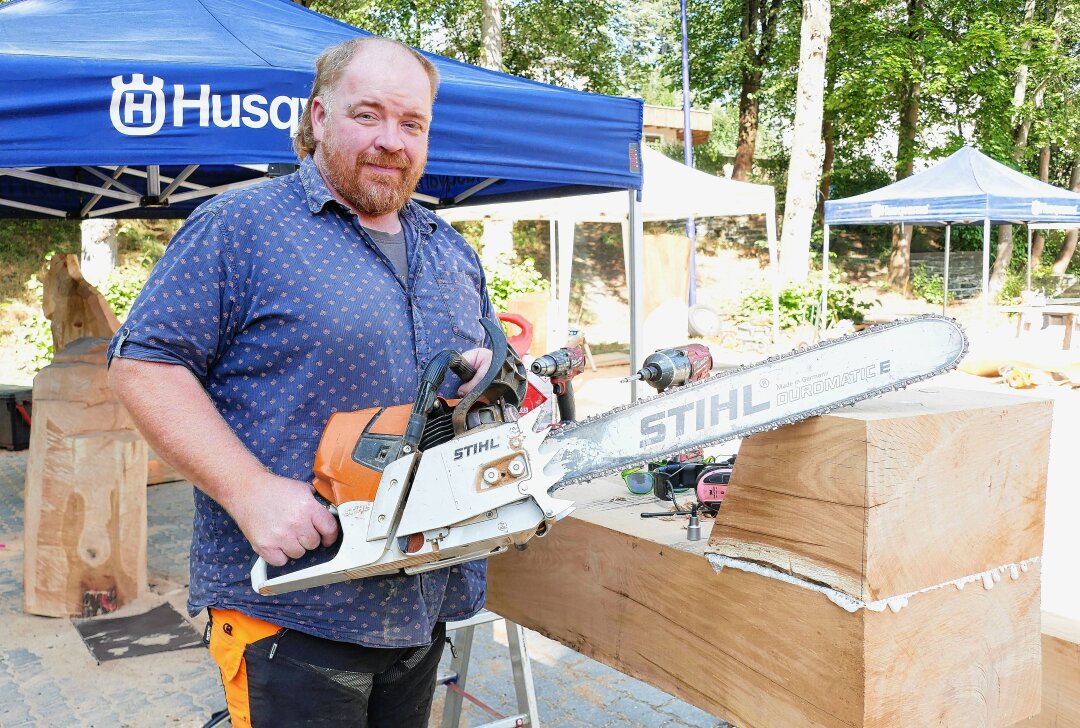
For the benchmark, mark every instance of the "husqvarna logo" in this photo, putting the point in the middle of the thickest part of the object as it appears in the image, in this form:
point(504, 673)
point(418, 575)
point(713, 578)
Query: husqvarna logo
point(141, 107)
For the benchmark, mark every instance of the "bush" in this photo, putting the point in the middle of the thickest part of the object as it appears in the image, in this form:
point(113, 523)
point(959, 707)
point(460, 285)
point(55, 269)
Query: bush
point(507, 279)
point(927, 287)
point(800, 304)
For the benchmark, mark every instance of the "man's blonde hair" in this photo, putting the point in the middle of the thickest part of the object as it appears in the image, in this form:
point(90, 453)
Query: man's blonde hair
point(330, 66)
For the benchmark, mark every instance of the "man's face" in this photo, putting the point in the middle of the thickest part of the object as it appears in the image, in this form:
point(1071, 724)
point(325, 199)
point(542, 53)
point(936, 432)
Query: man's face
point(372, 133)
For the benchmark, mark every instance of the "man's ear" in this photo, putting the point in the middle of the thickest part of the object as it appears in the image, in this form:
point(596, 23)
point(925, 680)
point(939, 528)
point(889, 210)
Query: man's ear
point(319, 115)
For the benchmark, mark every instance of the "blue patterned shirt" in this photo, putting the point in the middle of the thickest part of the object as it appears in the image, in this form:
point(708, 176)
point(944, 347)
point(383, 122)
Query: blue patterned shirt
point(282, 306)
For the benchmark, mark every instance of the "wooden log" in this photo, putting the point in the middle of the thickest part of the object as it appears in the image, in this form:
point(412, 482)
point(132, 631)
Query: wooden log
point(85, 506)
point(1061, 675)
point(847, 613)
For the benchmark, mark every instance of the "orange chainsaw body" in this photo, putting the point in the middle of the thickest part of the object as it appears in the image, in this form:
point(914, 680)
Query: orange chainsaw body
point(355, 449)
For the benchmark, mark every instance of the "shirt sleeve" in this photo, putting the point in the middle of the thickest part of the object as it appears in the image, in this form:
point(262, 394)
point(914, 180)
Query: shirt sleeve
point(187, 310)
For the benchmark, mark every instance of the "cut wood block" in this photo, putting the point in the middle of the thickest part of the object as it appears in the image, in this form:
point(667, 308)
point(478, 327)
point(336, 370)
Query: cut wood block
point(865, 499)
point(878, 567)
point(1061, 675)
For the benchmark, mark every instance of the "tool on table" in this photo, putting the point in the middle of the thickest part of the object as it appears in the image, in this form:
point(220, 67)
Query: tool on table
point(561, 366)
point(475, 477)
point(675, 367)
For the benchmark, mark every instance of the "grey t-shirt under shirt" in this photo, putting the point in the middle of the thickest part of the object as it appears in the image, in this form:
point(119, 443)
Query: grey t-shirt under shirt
point(393, 247)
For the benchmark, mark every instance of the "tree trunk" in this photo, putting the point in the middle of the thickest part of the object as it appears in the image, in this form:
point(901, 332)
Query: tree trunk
point(748, 126)
point(899, 268)
point(491, 41)
point(1038, 240)
point(757, 35)
point(826, 167)
point(98, 249)
point(806, 146)
point(1067, 250)
point(1020, 138)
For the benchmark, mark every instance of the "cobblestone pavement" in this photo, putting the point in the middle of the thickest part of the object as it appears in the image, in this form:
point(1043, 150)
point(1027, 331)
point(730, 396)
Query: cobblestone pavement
point(48, 678)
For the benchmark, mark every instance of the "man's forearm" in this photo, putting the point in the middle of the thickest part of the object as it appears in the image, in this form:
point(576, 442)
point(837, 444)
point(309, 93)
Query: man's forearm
point(175, 415)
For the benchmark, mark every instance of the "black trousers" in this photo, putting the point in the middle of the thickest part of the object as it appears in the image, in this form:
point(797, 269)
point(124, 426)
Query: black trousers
point(288, 678)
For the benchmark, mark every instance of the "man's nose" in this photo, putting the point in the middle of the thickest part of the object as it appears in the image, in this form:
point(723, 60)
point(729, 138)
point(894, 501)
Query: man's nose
point(390, 139)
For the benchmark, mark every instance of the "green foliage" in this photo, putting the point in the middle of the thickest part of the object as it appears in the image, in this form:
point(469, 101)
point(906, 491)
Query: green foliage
point(33, 335)
point(927, 287)
point(509, 278)
point(800, 304)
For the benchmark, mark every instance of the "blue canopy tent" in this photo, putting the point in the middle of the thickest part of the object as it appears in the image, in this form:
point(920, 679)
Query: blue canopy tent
point(145, 108)
point(965, 188)
point(170, 102)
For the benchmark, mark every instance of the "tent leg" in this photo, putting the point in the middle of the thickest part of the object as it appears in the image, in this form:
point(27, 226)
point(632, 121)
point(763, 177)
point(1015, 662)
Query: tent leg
point(986, 265)
point(824, 280)
point(634, 280)
point(945, 282)
point(774, 268)
point(553, 302)
point(1029, 258)
point(566, 262)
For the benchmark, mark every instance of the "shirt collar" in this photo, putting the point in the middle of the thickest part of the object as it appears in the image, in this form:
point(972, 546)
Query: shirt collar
point(318, 195)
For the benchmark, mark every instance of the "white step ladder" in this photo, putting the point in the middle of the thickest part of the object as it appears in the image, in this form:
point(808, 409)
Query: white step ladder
point(462, 634)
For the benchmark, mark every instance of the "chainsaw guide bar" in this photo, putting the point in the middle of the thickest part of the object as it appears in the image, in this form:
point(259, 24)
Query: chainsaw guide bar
point(740, 402)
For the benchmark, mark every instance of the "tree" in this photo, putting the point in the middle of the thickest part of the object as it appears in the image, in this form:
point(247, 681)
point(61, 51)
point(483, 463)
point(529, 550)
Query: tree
point(725, 64)
point(806, 146)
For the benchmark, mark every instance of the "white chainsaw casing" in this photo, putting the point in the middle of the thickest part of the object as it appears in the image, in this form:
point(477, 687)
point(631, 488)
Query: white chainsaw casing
point(461, 515)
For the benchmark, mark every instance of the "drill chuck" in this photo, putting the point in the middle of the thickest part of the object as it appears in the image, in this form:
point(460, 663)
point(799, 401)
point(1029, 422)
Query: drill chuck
point(545, 365)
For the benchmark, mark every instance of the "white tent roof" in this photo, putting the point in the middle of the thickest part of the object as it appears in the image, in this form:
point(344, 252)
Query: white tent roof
point(671, 191)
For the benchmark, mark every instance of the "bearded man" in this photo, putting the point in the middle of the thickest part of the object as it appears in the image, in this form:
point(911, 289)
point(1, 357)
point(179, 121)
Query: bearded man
point(273, 307)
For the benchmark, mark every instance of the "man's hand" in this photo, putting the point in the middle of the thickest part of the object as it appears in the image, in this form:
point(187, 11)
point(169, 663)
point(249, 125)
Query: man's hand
point(480, 359)
point(281, 518)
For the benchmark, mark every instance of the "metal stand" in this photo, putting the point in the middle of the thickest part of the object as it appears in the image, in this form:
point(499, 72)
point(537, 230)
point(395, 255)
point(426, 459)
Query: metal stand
point(527, 715)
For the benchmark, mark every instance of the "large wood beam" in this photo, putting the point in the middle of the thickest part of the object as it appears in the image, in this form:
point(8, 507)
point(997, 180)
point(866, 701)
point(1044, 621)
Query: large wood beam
point(875, 567)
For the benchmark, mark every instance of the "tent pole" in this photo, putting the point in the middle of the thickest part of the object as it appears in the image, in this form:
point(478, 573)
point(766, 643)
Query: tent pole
point(986, 264)
point(635, 284)
point(566, 263)
point(774, 269)
point(824, 280)
point(1029, 257)
point(945, 283)
point(553, 304)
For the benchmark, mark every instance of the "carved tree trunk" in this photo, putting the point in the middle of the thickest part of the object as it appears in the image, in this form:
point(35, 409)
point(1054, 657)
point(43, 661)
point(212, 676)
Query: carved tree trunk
point(806, 147)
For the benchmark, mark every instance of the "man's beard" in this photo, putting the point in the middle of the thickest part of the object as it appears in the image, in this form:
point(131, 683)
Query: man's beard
point(368, 191)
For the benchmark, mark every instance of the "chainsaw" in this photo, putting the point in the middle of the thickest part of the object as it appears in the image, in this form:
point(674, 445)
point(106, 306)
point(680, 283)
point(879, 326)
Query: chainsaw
point(442, 482)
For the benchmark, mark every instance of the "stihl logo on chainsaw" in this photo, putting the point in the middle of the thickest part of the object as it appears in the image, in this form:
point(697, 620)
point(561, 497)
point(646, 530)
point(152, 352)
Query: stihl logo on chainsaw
point(475, 449)
point(654, 427)
point(707, 412)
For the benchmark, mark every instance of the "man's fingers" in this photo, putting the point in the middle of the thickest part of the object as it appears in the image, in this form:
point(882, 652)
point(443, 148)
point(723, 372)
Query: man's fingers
point(275, 557)
point(480, 360)
point(327, 526)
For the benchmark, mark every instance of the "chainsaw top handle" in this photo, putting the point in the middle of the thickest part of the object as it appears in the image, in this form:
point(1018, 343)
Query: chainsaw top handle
point(505, 380)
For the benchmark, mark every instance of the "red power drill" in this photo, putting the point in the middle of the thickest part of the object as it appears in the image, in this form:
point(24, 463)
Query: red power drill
point(675, 367)
point(560, 367)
